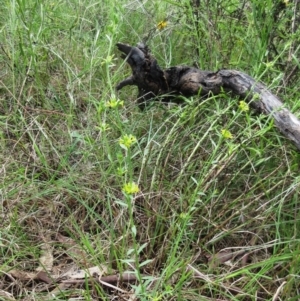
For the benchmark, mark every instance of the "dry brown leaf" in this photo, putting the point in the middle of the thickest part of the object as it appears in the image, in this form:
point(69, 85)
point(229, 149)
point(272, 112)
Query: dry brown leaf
point(23, 276)
point(46, 258)
point(97, 271)
point(72, 248)
point(220, 257)
point(223, 257)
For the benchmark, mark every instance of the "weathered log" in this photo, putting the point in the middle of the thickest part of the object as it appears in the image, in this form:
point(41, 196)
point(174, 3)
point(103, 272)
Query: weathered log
point(154, 83)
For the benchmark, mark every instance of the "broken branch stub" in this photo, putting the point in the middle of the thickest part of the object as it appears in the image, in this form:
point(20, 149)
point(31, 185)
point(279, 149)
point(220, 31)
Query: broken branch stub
point(146, 74)
point(152, 81)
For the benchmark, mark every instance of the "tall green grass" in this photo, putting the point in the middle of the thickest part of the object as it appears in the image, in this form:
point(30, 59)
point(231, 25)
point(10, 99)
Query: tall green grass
point(63, 167)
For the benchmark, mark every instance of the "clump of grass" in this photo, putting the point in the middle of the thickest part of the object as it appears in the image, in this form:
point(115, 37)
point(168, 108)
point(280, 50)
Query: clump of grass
point(196, 201)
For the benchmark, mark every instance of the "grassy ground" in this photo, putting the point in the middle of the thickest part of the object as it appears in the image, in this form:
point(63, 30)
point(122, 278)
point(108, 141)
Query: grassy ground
point(197, 202)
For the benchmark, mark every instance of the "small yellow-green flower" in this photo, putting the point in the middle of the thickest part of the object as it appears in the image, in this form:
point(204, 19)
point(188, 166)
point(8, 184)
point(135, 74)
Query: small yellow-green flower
point(103, 127)
point(162, 24)
point(108, 60)
point(156, 297)
point(114, 103)
point(256, 96)
point(244, 106)
point(131, 188)
point(183, 215)
point(126, 141)
point(226, 134)
point(286, 2)
point(269, 64)
point(121, 171)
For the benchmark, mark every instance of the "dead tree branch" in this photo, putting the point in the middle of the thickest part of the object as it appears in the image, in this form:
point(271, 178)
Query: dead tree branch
point(152, 81)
